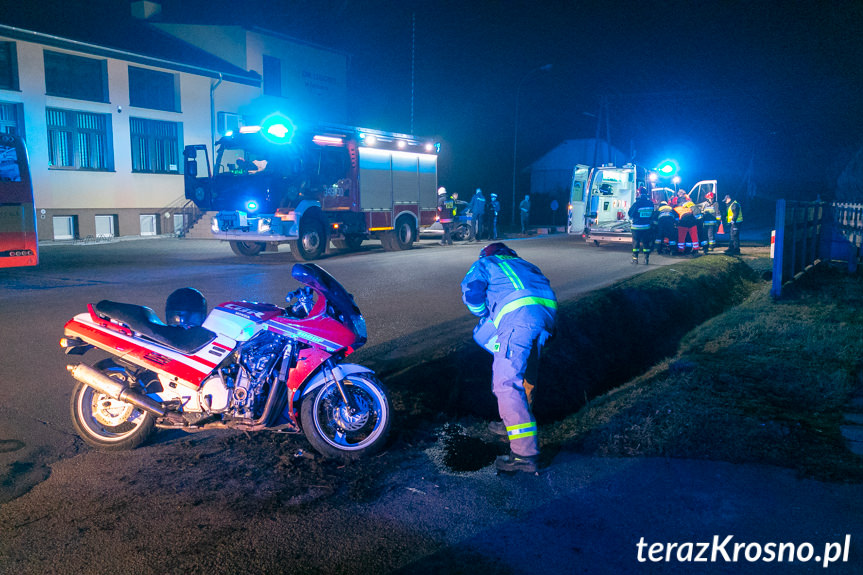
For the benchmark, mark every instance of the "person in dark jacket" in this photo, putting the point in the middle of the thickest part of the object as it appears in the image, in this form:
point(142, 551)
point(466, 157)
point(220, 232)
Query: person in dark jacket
point(477, 208)
point(524, 210)
point(517, 310)
point(710, 223)
point(446, 213)
point(641, 217)
point(494, 211)
point(666, 236)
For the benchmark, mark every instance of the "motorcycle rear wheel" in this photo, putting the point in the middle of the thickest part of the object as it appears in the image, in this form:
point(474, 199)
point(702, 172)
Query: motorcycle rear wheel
point(335, 431)
point(105, 423)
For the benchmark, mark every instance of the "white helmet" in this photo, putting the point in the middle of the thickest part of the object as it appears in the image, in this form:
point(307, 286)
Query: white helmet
point(441, 190)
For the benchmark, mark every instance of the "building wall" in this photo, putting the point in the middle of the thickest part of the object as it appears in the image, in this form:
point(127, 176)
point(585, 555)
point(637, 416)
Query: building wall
point(125, 195)
point(313, 78)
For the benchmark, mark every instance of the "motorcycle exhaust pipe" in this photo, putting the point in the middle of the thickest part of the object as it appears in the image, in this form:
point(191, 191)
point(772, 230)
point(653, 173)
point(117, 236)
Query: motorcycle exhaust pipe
point(113, 388)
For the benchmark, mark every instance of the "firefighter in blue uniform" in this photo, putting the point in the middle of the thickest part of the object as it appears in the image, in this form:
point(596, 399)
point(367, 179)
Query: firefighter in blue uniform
point(666, 234)
point(641, 215)
point(517, 308)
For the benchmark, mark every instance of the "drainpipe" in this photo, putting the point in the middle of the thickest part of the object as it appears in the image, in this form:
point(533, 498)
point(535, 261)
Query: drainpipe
point(213, 114)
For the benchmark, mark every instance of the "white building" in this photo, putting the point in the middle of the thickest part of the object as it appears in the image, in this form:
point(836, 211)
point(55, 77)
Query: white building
point(106, 117)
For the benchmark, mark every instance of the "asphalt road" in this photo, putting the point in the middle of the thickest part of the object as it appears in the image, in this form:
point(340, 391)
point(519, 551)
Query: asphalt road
point(401, 294)
point(189, 506)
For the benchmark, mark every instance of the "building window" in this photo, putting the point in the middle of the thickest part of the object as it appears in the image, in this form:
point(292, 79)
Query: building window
point(78, 140)
point(155, 146)
point(65, 227)
point(106, 226)
point(153, 90)
point(75, 77)
point(149, 224)
point(10, 118)
point(8, 66)
point(272, 76)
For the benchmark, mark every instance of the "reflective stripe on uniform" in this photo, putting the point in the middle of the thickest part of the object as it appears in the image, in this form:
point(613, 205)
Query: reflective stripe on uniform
point(521, 302)
point(521, 430)
point(476, 309)
point(509, 272)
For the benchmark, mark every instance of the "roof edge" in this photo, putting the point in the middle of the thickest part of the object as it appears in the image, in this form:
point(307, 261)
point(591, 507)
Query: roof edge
point(250, 78)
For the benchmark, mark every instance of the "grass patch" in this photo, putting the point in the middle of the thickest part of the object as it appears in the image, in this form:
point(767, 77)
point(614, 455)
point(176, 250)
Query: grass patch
point(766, 381)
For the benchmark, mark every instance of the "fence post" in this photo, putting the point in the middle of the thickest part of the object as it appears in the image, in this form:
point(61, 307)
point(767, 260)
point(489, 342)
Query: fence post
point(778, 250)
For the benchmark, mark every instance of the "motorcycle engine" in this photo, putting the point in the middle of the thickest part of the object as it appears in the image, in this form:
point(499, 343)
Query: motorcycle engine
point(240, 389)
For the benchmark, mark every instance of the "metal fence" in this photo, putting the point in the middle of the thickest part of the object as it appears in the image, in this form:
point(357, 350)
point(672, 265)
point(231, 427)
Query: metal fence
point(807, 233)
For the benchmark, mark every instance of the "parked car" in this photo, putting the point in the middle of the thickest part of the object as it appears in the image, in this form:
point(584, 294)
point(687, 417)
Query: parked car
point(462, 230)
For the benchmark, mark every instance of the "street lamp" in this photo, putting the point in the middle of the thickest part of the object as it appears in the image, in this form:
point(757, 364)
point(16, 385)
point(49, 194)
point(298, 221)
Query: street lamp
point(545, 68)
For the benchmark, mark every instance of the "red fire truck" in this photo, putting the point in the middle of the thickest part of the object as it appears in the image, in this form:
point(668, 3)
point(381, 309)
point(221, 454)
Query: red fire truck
point(273, 184)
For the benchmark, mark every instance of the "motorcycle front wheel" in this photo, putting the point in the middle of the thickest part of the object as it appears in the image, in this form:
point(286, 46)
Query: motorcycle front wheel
point(105, 423)
point(347, 430)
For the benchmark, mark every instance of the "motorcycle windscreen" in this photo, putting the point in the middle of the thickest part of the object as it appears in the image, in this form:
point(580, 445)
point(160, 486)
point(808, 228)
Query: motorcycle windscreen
point(342, 302)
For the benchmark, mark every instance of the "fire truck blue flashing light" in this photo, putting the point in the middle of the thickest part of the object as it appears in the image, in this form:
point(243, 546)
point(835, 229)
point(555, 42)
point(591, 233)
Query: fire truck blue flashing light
point(252, 205)
point(278, 129)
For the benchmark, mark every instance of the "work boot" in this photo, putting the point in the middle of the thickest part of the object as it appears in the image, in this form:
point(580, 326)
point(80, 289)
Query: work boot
point(498, 428)
point(513, 463)
point(634, 259)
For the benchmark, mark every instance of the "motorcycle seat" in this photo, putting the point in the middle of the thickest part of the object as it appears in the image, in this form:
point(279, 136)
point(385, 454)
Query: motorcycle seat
point(144, 321)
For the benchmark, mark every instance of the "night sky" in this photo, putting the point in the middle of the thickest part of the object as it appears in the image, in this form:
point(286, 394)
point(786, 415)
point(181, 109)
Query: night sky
point(721, 86)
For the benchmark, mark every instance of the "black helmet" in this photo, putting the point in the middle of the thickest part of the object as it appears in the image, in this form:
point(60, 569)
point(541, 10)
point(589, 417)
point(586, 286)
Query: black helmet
point(497, 248)
point(186, 307)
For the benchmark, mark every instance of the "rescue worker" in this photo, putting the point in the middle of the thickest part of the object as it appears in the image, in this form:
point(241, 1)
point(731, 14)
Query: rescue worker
point(517, 310)
point(477, 208)
point(495, 211)
point(710, 223)
point(681, 198)
point(687, 229)
point(734, 217)
point(446, 213)
point(666, 219)
point(699, 227)
point(641, 215)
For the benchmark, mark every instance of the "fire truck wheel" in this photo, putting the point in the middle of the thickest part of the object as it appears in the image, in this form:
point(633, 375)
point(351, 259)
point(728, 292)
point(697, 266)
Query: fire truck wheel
point(404, 233)
point(247, 248)
point(312, 242)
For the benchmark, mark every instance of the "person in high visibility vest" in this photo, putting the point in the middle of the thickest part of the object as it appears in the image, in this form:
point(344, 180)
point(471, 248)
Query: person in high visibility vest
point(641, 217)
point(517, 310)
point(687, 229)
point(733, 217)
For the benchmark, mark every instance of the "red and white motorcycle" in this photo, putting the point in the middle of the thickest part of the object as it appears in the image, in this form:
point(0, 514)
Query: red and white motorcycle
point(245, 365)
